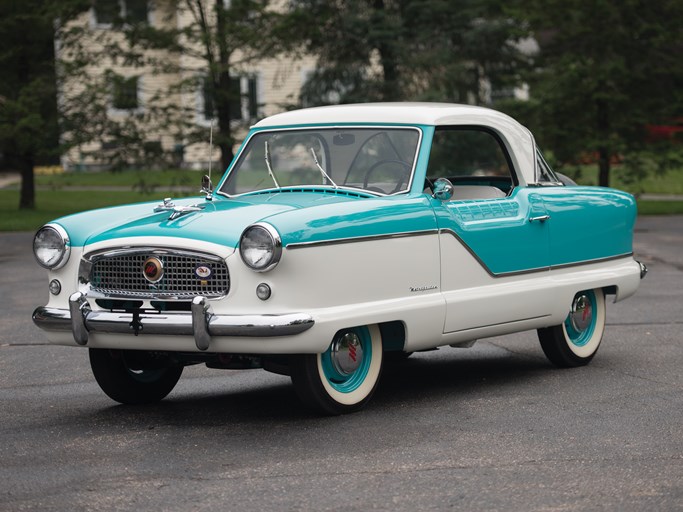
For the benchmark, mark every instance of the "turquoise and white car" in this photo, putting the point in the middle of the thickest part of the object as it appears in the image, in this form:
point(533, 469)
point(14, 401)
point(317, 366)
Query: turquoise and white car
point(341, 237)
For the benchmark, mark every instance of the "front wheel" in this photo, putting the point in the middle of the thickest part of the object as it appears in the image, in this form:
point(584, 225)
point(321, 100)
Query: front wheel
point(343, 378)
point(576, 340)
point(134, 377)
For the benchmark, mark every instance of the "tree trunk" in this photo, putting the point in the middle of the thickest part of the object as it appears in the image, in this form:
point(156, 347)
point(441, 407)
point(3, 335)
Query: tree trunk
point(27, 195)
point(604, 154)
point(604, 166)
point(223, 95)
point(388, 61)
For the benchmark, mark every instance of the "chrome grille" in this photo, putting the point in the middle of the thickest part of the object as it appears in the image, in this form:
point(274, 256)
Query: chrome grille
point(120, 274)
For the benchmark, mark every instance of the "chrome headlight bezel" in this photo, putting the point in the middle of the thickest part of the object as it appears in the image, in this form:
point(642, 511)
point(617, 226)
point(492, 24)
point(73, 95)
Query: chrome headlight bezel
point(257, 239)
point(60, 242)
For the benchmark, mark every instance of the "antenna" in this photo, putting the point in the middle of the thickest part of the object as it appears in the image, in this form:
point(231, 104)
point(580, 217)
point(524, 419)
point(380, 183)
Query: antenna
point(207, 186)
point(210, 148)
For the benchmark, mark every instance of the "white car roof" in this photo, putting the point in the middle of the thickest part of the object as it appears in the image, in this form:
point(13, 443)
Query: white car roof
point(517, 138)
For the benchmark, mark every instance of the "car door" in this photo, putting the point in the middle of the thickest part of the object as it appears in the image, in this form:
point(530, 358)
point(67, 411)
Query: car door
point(493, 233)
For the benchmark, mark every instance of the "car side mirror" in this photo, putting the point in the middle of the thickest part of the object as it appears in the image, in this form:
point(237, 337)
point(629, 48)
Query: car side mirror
point(443, 189)
point(207, 187)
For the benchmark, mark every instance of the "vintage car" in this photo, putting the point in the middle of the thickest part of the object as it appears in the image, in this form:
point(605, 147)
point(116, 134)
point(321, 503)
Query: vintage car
point(338, 238)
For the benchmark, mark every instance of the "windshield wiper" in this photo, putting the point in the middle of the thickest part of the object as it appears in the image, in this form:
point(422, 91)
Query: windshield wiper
point(270, 169)
point(322, 171)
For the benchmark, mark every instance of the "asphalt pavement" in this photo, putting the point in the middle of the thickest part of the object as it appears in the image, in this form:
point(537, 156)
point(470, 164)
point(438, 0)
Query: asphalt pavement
point(494, 427)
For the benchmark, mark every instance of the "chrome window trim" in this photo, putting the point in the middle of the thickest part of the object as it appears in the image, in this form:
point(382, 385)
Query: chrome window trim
point(326, 127)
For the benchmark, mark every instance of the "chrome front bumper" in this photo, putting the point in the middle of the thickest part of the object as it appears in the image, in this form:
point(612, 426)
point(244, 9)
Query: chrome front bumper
point(201, 322)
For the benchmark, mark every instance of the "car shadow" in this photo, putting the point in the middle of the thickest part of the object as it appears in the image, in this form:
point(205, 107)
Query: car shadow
point(403, 383)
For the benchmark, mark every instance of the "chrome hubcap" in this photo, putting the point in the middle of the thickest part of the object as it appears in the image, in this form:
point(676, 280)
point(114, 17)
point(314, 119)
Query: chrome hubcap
point(581, 315)
point(346, 353)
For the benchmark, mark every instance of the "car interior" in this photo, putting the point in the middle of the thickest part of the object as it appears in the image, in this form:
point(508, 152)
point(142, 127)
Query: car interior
point(474, 160)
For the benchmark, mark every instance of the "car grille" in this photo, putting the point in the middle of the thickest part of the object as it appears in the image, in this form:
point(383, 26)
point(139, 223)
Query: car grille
point(120, 274)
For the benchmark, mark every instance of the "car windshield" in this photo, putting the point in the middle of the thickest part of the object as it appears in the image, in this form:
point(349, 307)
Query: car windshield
point(376, 160)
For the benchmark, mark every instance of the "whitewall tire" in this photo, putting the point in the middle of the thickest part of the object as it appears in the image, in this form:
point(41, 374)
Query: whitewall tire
point(343, 378)
point(577, 339)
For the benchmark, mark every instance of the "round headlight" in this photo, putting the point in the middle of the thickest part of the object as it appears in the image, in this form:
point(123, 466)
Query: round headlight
point(51, 246)
point(260, 247)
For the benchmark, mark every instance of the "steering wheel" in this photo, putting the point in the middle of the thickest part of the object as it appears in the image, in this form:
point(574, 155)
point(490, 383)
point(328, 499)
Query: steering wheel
point(400, 167)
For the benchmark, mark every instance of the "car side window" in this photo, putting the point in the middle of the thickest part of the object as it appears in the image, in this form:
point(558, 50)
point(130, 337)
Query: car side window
point(473, 159)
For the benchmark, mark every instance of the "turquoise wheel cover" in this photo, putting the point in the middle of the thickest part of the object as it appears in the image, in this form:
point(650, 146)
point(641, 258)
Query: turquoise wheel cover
point(351, 382)
point(581, 338)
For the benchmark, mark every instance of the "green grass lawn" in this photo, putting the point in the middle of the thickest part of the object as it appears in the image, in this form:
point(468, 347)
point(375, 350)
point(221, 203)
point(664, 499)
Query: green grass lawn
point(136, 180)
point(668, 183)
point(660, 207)
point(51, 204)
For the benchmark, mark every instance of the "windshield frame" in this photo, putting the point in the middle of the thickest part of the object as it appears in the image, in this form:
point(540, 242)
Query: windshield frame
point(371, 193)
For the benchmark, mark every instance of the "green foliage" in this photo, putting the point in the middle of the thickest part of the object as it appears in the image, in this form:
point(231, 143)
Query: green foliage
point(408, 50)
point(28, 113)
point(28, 92)
point(605, 71)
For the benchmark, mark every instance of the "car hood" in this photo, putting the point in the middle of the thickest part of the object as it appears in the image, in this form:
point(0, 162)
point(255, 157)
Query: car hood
point(221, 221)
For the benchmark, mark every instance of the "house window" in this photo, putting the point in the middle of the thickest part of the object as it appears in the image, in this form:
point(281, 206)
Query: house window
point(124, 93)
point(243, 100)
point(108, 12)
point(135, 11)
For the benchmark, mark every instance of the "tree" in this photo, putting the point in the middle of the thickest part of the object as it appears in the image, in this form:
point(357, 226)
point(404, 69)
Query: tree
point(605, 70)
point(198, 46)
point(28, 100)
point(389, 50)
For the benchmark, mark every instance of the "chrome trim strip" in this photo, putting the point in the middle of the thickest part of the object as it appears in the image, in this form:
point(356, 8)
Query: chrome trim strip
point(532, 270)
point(128, 250)
point(589, 262)
point(499, 324)
point(81, 320)
point(369, 238)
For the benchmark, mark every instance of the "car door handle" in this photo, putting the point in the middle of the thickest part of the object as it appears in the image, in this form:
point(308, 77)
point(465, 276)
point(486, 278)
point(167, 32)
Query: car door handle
point(540, 218)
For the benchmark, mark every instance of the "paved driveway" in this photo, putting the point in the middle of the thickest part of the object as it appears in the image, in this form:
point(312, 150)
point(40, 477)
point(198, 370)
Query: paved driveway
point(494, 427)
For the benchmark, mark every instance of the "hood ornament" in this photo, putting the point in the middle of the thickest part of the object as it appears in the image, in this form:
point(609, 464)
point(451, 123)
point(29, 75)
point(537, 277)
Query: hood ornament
point(177, 211)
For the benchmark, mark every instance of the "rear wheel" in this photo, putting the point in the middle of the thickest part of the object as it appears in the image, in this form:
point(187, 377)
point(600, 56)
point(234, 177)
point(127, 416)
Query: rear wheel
point(134, 377)
point(343, 378)
point(577, 339)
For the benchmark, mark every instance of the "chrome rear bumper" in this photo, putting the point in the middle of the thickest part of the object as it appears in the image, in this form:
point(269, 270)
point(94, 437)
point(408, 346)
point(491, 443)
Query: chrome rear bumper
point(201, 322)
